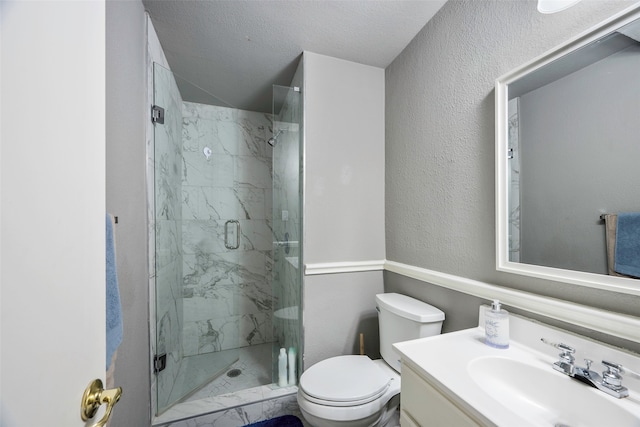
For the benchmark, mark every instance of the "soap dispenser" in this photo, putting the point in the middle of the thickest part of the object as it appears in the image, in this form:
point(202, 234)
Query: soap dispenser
point(496, 326)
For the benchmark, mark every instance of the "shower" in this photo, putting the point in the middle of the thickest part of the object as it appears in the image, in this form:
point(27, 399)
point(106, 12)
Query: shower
point(272, 141)
point(226, 295)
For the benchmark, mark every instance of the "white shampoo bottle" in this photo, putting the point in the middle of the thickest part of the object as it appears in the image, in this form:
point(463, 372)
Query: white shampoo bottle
point(496, 326)
point(282, 368)
point(292, 366)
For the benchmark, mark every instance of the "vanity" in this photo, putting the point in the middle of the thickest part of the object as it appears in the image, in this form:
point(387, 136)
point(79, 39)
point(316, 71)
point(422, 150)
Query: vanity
point(456, 379)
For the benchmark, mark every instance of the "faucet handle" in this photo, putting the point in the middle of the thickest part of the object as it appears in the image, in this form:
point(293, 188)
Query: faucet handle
point(567, 351)
point(616, 368)
point(559, 346)
point(611, 377)
point(613, 367)
point(565, 364)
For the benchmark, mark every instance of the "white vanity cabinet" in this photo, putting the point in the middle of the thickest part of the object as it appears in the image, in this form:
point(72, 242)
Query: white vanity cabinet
point(455, 379)
point(422, 404)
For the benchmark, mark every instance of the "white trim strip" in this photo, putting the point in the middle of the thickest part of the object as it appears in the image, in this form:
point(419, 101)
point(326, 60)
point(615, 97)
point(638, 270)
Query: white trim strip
point(618, 325)
point(343, 267)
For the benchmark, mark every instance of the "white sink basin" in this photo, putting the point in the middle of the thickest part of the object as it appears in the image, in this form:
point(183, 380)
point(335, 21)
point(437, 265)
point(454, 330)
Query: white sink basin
point(518, 386)
point(546, 397)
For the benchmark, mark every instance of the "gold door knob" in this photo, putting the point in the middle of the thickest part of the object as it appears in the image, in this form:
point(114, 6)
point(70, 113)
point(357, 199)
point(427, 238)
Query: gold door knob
point(93, 397)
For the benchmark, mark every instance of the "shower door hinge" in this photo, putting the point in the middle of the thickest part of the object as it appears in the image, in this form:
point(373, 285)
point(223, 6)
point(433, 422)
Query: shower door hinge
point(159, 363)
point(510, 153)
point(157, 114)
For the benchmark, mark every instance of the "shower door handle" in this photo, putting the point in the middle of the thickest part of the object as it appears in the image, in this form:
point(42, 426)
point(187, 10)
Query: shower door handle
point(231, 228)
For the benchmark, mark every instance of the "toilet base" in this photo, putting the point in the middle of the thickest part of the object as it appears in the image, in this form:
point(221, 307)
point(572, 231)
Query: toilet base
point(389, 416)
point(321, 422)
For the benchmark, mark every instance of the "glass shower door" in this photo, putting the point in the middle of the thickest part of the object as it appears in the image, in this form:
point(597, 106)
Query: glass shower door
point(226, 296)
point(287, 224)
point(196, 309)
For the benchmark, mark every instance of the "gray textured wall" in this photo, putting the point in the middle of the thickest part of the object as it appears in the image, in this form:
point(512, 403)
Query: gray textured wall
point(440, 193)
point(126, 198)
point(461, 310)
point(337, 308)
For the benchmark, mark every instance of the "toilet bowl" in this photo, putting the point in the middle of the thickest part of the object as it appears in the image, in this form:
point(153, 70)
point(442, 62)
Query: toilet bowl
point(348, 390)
point(356, 391)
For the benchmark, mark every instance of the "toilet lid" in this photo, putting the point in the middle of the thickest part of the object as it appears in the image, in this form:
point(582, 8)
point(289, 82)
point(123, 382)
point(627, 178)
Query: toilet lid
point(345, 379)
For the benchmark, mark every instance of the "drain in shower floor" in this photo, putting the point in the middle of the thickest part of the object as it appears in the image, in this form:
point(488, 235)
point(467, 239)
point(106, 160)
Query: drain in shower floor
point(234, 373)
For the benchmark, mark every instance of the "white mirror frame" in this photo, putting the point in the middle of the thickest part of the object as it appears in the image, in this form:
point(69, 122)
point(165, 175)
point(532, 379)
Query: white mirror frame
point(592, 280)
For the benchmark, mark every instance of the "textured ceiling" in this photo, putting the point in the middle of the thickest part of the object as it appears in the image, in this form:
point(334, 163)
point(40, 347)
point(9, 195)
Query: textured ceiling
point(236, 50)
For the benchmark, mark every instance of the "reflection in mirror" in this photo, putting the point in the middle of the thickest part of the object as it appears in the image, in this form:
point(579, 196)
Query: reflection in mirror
point(568, 144)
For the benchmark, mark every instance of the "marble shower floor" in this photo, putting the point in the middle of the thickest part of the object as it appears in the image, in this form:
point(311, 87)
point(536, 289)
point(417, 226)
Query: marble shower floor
point(251, 386)
point(255, 366)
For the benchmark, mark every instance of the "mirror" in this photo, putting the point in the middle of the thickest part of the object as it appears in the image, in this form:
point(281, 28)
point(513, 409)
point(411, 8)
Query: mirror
point(567, 154)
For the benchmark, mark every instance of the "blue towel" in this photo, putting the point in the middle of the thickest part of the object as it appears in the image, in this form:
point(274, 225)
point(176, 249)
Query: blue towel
point(114, 310)
point(628, 244)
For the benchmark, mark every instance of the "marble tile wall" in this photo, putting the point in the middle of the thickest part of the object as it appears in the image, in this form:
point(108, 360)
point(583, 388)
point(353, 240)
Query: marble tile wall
point(226, 176)
point(514, 179)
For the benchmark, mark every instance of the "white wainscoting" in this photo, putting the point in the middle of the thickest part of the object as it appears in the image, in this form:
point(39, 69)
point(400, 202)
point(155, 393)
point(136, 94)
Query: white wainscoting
point(343, 267)
point(614, 324)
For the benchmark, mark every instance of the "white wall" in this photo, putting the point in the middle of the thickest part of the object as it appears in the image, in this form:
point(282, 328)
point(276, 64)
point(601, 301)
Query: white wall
point(52, 209)
point(344, 160)
point(126, 115)
point(343, 201)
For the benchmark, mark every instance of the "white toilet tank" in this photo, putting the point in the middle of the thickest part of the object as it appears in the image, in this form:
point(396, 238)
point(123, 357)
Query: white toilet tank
point(402, 318)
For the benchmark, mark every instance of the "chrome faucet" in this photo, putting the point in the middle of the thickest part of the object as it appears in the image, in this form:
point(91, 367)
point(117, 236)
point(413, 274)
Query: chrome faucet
point(609, 382)
point(566, 362)
point(612, 381)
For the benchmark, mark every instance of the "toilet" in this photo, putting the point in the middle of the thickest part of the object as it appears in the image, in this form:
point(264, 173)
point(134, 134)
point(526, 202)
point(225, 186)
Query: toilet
point(356, 391)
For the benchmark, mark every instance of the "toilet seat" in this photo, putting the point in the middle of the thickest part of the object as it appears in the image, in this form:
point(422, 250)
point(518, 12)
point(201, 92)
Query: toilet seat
point(344, 381)
point(353, 412)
